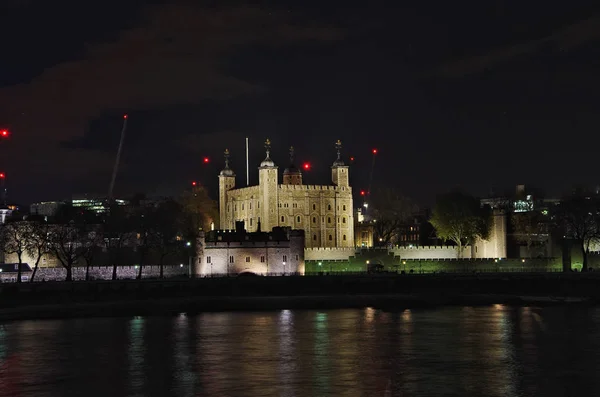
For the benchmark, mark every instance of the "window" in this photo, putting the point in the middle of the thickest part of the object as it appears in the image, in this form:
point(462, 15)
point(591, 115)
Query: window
point(330, 237)
point(251, 221)
point(344, 207)
point(285, 258)
point(262, 259)
point(282, 218)
point(343, 220)
point(208, 259)
point(231, 259)
point(297, 257)
point(314, 207)
point(329, 207)
point(242, 206)
point(235, 207)
point(258, 205)
point(314, 237)
point(251, 205)
point(247, 259)
point(298, 219)
point(328, 219)
point(314, 219)
point(344, 238)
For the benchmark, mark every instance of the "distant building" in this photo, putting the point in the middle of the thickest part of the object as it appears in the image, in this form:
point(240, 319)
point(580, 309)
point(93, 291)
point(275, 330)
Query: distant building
point(96, 204)
point(46, 208)
point(5, 212)
point(238, 251)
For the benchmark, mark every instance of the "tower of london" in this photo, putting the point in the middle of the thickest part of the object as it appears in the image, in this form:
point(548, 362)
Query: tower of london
point(324, 212)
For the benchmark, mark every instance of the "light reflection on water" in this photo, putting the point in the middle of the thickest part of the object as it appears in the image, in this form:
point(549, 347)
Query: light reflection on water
point(483, 351)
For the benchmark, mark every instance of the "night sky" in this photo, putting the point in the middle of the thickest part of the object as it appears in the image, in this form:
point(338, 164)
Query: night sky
point(478, 94)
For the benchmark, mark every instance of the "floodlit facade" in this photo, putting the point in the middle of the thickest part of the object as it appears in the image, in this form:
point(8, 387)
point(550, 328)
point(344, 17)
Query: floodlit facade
point(323, 212)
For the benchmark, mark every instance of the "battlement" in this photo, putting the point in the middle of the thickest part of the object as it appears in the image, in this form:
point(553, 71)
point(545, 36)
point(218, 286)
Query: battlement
point(242, 191)
point(328, 253)
point(314, 187)
point(430, 252)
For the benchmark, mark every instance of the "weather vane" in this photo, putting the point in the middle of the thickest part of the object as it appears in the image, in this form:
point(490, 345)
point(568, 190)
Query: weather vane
point(291, 154)
point(268, 146)
point(226, 154)
point(338, 146)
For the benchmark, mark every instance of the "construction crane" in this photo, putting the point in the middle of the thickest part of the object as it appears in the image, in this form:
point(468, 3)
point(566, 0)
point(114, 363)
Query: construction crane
point(117, 160)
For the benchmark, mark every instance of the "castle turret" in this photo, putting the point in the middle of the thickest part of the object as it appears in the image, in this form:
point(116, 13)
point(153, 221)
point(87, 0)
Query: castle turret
point(292, 175)
point(339, 171)
point(226, 183)
point(267, 180)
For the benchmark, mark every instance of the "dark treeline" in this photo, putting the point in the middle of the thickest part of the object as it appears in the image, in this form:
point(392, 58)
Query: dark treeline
point(143, 233)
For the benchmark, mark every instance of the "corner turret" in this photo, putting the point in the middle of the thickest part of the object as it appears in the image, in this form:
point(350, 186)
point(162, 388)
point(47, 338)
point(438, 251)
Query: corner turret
point(226, 183)
point(292, 175)
point(339, 171)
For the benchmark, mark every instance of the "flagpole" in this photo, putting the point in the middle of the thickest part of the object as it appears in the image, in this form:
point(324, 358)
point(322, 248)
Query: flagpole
point(247, 164)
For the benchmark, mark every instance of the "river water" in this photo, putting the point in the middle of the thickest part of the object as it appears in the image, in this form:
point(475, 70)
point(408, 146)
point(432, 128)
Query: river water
point(454, 351)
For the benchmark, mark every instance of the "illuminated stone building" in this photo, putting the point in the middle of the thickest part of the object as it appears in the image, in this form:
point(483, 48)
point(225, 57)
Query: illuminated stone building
point(238, 251)
point(323, 212)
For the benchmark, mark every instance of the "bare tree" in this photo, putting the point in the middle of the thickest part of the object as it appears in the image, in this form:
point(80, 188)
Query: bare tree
point(390, 210)
point(14, 237)
point(38, 243)
point(118, 235)
point(579, 218)
point(66, 245)
point(167, 237)
point(91, 242)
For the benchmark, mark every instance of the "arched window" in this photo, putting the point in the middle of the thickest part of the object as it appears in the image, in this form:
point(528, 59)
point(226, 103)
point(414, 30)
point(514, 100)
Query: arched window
point(298, 219)
point(329, 207)
point(344, 220)
point(330, 237)
point(282, 218)
point(314, 207)
point(314, 237)
point(344, 238)
point(314, 219)
point(344, 207)
point(328, 219)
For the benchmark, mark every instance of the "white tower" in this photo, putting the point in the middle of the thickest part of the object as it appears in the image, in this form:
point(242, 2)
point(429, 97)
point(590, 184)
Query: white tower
point(226, 183)
point(267, 180)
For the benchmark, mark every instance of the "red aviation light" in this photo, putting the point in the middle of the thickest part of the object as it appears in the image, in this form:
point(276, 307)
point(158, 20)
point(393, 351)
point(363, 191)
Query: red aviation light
point(4, 133)
point(374, 151)
point(362, 192)
point(2, 175)
point(194, 183)
point(206, 160)
point(125, 116)
point(306, 166)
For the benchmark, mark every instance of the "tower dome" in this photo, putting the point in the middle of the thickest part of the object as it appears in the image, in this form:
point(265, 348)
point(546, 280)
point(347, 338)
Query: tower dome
point(292, 175)
point(267, 162)
point(226, 171)
point(338, 162)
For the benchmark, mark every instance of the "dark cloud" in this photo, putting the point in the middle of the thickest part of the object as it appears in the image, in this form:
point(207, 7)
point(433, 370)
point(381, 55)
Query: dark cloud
point(174, 57)
point(564, 40)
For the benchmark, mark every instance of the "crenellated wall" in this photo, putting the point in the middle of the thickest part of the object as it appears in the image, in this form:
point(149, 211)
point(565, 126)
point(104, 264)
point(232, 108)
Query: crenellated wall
point(99, 273)
point(430, 252)
point(328, 254)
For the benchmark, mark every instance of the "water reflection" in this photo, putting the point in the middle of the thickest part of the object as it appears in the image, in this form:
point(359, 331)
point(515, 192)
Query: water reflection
point(485, 351)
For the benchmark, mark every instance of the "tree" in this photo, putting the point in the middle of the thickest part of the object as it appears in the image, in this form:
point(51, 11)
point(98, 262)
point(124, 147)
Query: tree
point(389, 211)
point(578, 217)
point(145, 226)
point(66, 243)
point(14, 240)
point(200, 210)
point(118, 234)
point(460, 218)
point(92, 239)
point(38, 243)
point(528, 226)
point(167, 239)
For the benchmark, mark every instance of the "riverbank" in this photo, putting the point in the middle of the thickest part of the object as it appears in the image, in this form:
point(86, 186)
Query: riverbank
point(389, 292)
point(190, 306)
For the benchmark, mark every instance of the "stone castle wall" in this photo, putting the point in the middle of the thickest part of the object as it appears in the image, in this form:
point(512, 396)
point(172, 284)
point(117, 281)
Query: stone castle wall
point(328, 254)
point(100, 273)
point(430, 252)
